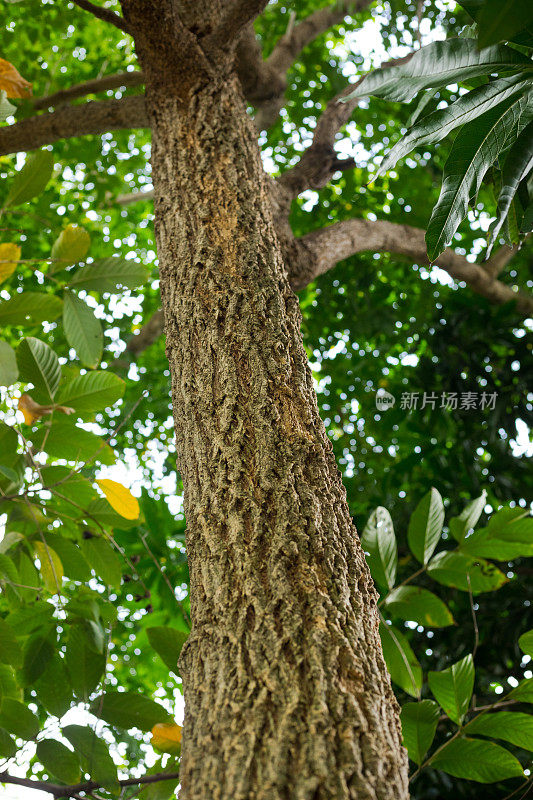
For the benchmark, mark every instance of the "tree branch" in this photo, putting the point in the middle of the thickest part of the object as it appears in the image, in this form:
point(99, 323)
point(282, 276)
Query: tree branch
point(85, 786)
point(237, 16)
point(71, 121)
point(149, 333)
point(320, 250)
point(134, 197)
point(104, 14)
point(134, 78)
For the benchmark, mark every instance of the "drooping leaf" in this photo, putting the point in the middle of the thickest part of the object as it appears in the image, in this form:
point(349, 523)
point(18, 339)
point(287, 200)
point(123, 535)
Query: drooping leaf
point(436, 126)
point(51, 567)
point(475, 760)
point(71, 246)
point(8, 747)
point(31, 179)
point(452, 687)
point(8, 365)
point(38, 364)
point(65, 440)
point(28, 307)
point(93, 753)
point(119, 498)
point(10, 651)
point(167, 642)
point(474, 150)
point(74, 564)
point(103, 559)
point(510, 726)
point(17, 718)
point(425, 526)
point(523, 692)
point(419, 605)
point(38, 650)
point(59, 760)
point(9, 258)
point(12, 82)
point(53, 687)
point(93, 391)
point(518, 164)
point(419, 723)
point(82, 329)
point(129, 710)
point(438, 64)
point(85, 665)
point(402, 663)
point(499, 20)
point(379, 541)
point(109, 275)
point(166, 737)
point(466, 573)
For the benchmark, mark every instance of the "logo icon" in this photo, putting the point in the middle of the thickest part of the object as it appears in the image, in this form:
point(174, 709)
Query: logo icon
point(384, 400)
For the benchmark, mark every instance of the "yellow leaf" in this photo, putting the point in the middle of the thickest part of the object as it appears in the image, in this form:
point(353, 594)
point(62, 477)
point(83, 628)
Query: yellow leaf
point(166, 736)
point(70, 246)
point(119, 498)
point(32, 410)
point(12, 82)
point(9, 256)
point(51, 567)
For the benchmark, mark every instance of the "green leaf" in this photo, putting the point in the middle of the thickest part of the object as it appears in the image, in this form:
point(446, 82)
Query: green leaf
point(526, 643)
point(38, 364)
point(8, 748)
point(499, 20)
point(436, 126)
point(53, 687)
point(475, 149)
point(109, 275)
point(101, 511)
point(438, 64)
point(63, 439)
point(18, 719)
point(93, 391)
point(38, 650)
point(523, 692)
point(103, 559)
point(419, 723)
point(82, 329)
point(518, 163)
point(465, 573)
point(419, 605)
point(10, 651)
point(510, 726)
point(31, 179)
point(475, 760)
point(508, 535)
point(425, 526)
point(459, 526)
point(167, 642)
point(59, 760)
point(129, 710)
point(71, 246)
point(84, 663)
point(8, 365)
point(30, 307)
point(401, 662)
point(93, 753)
point(74, 564)
point(453, 687)
point(379, 541)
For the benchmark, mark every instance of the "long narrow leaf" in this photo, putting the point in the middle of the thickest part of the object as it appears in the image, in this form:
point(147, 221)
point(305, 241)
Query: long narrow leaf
point(475, 149)
point(439, 124)
point(439, 64)
point(518, 164)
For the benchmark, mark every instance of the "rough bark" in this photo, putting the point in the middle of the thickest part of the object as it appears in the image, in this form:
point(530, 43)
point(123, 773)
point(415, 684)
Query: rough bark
point(286, 691)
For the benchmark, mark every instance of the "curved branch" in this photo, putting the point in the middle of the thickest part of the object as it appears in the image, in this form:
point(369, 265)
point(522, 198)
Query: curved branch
point(104, 14)
point(133, 78)
point(320, 250)
point(72, 121)
point(236, 17)
point(85, 786)
point(149, 333)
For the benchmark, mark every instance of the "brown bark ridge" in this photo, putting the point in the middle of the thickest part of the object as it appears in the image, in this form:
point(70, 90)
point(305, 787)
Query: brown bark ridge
point(286, 691)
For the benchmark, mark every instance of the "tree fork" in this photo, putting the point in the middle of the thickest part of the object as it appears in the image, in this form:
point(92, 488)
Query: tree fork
point(286, 690)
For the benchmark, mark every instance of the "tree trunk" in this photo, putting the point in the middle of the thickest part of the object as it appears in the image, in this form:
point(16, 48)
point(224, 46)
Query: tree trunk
point(286, 692)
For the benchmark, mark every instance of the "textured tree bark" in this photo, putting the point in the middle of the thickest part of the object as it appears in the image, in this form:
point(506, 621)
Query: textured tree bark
point(286, 691)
